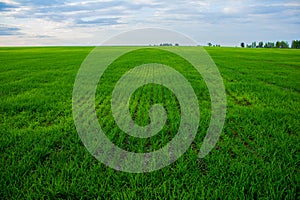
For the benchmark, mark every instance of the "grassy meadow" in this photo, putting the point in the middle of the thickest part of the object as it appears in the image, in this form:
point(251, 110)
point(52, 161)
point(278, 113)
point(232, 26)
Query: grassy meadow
point(257, 155)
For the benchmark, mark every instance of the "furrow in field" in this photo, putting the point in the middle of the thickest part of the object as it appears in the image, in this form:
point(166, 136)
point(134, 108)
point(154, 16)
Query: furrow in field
point(250, 77)
point(242, 102)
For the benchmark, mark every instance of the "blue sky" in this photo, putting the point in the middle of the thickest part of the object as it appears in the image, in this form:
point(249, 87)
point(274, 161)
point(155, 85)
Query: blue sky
point(90, 22)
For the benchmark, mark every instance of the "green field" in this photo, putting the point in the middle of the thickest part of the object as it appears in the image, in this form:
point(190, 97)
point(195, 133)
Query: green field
point(257, 156)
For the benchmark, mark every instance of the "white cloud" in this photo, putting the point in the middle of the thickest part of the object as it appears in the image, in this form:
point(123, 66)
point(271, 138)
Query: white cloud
point(9, 2)
point(231, 10)
point(95, 20)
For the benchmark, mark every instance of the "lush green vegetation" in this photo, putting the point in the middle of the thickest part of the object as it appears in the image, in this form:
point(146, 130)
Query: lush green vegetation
point(257, 155)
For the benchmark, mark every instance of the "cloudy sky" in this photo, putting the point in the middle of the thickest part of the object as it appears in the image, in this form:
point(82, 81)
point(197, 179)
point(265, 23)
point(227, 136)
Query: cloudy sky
point(91, 22)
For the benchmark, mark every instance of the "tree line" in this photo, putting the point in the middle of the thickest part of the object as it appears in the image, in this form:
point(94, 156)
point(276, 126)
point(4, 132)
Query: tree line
point(165, 44)
point(278, 44)
point(213, 45)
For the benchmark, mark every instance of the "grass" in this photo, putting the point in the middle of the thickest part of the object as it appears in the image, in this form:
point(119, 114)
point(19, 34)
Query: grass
point(257, 155)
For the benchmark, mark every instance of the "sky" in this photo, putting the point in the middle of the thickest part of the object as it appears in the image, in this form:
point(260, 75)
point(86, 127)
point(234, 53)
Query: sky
point(92, 22)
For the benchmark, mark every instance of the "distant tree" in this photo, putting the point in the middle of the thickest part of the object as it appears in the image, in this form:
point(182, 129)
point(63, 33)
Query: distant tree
point(266, 45)
point(295, 44)
point(285, 44)
point(249, 46)
point(176, 44)
point(260, 45)
point(253, 45)
point(282, 44)
point(209, 44)
point(278, 44)
point(269, 45)
point(166, 44)
point(242, 44)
